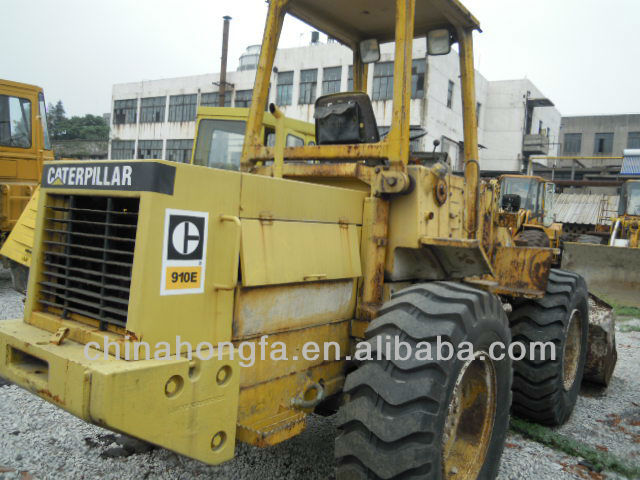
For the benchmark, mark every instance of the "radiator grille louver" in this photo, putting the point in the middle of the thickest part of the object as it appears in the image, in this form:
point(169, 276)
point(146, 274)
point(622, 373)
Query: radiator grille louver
point(88, 245)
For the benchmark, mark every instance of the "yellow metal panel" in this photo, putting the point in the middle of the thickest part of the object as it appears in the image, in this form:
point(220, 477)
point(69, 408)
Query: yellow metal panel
point(269, 399)
point(194, 317)
point(522, 271)
point(174, 403)
point(50, 371)
point(267, 310)
point(334, 335)
point(280, 199)
point(293, 252)
point(137, 398)
point(18, 246)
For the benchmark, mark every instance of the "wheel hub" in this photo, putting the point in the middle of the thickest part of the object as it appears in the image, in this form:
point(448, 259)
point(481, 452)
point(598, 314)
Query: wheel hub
point(470, 419)
point(572, 350)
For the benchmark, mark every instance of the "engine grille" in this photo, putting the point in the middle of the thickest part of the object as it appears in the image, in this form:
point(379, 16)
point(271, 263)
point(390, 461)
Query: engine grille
point(88, 247)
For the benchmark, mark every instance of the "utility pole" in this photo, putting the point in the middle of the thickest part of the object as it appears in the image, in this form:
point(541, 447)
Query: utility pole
point(223, 65)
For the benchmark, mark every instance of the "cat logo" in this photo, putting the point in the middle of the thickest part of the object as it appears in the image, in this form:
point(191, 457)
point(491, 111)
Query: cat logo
point(184, 252)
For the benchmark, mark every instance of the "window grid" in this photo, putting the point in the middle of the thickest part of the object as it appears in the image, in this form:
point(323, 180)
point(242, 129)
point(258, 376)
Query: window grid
point(572, 142)
point(418, 71)
point(149, 149)
point(331, 77)
point(450, 94)
point(179, 150)
point(350, 79)
point(308, 86)
point(152, 109)
point(243, 98)
point(182, 108)
point(634, 140)
point(284, 92)
point(123, 149)
point(603, 143)
point(383, 81)
point(125, 111)
point(212, 99)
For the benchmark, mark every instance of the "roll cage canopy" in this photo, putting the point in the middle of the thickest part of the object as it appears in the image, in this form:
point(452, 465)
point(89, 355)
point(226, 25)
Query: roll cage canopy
point(353, 21)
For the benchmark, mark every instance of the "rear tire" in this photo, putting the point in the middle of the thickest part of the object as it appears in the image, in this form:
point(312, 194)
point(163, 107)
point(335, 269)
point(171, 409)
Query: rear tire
point(546, 391)
point(534, 238)
point(591, 239)
point(405, 418)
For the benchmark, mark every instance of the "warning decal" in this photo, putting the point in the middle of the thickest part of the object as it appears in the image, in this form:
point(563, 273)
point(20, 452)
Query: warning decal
point(184, 252)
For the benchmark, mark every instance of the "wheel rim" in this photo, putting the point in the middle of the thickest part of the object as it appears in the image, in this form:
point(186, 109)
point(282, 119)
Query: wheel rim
point(572, 350)
point(470, 419)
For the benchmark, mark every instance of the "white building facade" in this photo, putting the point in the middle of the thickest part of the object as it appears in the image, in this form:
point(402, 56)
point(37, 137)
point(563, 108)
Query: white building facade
point(156, 119)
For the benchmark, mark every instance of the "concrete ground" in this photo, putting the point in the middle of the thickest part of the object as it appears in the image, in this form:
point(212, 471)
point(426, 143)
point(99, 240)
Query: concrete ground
point(38, 440)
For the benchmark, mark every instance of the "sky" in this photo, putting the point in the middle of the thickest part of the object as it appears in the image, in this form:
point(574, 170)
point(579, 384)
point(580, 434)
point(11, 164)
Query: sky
point(582, 54)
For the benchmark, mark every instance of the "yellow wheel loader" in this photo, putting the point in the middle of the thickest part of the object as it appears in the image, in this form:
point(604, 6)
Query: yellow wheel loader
point(526, 209)
point(611, 261)
point(24, 146)
point(197, 307)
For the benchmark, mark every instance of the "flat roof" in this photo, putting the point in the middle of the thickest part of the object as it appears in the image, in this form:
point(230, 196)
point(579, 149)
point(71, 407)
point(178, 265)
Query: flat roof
point(351, 21)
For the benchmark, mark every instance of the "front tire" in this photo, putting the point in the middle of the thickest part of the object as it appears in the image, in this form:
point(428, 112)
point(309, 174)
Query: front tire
point(428, 419)
point(546, 391)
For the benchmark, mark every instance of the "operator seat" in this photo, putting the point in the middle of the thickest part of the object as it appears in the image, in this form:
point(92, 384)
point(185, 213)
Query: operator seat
point(345, 119)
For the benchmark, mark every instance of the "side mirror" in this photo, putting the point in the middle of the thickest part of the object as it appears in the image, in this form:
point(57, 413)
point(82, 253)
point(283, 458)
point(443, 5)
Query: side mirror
point(439, 42)
point(369, 51)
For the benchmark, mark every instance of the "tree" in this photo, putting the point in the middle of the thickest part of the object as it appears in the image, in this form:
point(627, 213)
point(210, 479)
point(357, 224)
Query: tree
point(55, 119)
point(88, 127)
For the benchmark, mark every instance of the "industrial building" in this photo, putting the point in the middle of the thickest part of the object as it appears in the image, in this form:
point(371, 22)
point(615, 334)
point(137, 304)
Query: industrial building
point(156, 119)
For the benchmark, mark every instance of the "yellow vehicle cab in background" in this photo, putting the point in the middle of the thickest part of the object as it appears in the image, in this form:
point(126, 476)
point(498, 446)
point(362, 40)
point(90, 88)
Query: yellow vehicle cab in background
point(24, 146)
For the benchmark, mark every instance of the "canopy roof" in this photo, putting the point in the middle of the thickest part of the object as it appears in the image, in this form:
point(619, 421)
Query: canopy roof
point(351, 21)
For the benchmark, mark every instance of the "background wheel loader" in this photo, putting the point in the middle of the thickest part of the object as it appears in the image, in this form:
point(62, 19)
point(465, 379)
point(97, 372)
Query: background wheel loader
point(526, 204)
point(611, 262)
point(24, 146)
point(350, 243)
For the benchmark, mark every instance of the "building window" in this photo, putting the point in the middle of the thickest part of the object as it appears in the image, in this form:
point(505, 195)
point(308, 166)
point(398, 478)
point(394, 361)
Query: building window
point(331, 80)
point(572, 142)
point(634, 140)
point(125, 111)
point(148, 149)
point(308, 86)
point(478, 111)
point(604, 143)
point(152, 109)
point(243, 98)
point(123, 149)
point(350, 79)
point(284, 93)
point(213, 99)
point(182, 108)
point(383, 81)
point(179, 150)
point(450, 94)
point(418, 70)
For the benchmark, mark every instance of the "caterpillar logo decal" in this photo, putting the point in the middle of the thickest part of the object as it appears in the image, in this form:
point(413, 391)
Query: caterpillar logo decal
point(141, 177)
point(184, 255)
